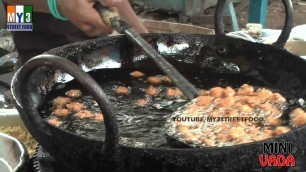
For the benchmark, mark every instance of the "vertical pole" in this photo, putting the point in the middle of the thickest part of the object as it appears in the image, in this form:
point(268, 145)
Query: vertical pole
point(231, 9)
point(258, 12)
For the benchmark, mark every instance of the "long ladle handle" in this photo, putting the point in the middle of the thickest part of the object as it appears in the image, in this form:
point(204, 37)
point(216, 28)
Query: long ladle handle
point(114, 21)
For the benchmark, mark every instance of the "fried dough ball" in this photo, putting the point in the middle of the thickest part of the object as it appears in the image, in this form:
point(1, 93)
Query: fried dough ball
point(61, 101)
point(74, 93)
point(231, 112)
point(253, 130)
point(277, 98)
point(137, 74)
point(239, 124)
point(236, 133)
point(240, 99)
point(268, 107)
point(225, 102)
point(54, 121)
point(141, 102)
point(273, 121)
point(174, 92)
point(243, 108)
point(204, 92)
point(152, 91)
point(166, 79)
point(222, 137)
point(98, 117)
point(252, 101)
point(216, 92)
point(189, 137)
point(207, 141)
point(298, 117)
point(266, 134)
point(191, 110)
point(121, 90)
point(75, 106)
point(203, 100)
point(281, 130)
point(243, 141)
point(182, 129)
point(195, 125)
point(263, 94)
point(61, 112)
point(208, 134)
point(276, 112)
point(246, 90)
point(155, 80)
point(84, 114)
point(229, 92)
point(215, 113)
point(220, 128)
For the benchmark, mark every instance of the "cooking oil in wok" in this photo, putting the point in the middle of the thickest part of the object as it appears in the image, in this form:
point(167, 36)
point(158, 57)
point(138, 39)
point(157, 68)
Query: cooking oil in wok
point(140, 125)
point(143, 106)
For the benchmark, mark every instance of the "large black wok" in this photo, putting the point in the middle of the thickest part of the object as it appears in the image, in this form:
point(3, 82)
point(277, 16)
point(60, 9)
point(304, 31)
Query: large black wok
point(269, 66)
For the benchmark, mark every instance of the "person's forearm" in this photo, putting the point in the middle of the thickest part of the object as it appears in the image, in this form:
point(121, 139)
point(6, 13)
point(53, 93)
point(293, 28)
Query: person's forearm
point(128, 14)
point(38, 5)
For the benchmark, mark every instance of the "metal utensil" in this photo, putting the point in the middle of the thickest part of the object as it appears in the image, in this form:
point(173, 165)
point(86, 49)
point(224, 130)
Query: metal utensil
point(13, 155)
point(113, 20)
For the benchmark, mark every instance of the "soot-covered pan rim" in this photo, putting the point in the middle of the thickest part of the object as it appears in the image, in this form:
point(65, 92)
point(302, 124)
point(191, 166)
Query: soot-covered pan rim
point(94, 44)
point(111, 40)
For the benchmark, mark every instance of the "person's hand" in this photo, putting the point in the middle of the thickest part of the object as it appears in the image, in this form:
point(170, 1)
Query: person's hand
point(82, 14)
point(111, 3)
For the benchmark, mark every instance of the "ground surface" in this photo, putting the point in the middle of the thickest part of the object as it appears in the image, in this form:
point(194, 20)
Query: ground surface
point(276, 15)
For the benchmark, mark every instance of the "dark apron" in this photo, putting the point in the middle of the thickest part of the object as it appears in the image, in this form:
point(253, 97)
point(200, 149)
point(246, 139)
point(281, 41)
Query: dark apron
point(47, 33)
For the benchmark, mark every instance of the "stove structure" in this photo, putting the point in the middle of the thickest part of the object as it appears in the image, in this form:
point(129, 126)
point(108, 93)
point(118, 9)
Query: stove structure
point(44, 162)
